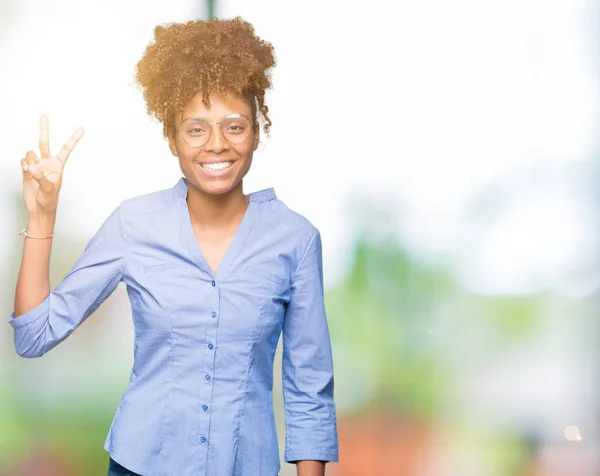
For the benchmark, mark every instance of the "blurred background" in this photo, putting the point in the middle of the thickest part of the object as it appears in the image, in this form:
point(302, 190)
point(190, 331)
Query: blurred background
point(459, 218)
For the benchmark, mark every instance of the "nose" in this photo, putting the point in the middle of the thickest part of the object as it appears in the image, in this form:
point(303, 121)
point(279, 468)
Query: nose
point(216, 142)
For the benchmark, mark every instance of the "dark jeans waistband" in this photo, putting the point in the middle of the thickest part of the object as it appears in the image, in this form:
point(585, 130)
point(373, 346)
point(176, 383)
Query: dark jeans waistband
point(115, 469)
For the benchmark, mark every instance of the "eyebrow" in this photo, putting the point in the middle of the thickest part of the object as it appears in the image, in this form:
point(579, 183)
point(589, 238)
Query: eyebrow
point(233, 115)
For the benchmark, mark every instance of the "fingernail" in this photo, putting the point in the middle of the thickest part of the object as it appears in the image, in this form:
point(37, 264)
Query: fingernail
point(32, 169)
point(25, 168)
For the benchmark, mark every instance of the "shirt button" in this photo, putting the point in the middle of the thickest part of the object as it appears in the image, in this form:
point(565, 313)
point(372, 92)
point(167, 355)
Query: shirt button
point(202, 439)
point(204, 407)
point(207, 377)
point(210, 346)
point(214, 314)
point(213, 283)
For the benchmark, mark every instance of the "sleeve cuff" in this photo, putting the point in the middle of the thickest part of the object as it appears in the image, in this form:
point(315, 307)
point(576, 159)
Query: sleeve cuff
point(33, 315)
point(330, 456)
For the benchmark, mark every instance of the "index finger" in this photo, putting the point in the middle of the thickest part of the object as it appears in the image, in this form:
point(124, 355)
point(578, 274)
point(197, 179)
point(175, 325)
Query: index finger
point(64, 153)
point(44, 137)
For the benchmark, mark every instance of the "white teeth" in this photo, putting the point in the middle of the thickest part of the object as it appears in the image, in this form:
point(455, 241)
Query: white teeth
point(219, 166)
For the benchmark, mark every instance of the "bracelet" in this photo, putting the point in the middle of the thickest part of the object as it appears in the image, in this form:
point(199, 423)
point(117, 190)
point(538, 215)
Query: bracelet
point(24, 234)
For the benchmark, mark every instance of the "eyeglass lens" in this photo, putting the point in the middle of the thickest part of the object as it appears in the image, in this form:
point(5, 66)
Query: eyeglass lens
point(196, 131)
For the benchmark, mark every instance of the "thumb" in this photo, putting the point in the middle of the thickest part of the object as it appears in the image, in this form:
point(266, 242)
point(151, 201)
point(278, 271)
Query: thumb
point(45, 185)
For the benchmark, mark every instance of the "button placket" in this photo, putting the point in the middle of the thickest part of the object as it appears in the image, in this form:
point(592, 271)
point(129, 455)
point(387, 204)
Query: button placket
point(208, 362)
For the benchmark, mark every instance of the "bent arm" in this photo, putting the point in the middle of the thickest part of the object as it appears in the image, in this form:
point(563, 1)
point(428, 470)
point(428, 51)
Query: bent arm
point(42, 319)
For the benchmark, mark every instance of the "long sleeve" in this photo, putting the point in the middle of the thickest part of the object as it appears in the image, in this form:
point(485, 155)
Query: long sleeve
point(92, 279)
point(307, 366)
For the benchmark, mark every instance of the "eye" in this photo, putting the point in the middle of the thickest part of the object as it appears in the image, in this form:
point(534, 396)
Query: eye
point(195, 130)
point(235, 128)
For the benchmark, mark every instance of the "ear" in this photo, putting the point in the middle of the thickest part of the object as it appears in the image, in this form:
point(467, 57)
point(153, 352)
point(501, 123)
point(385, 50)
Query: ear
point(256, 136)
point(172, 145)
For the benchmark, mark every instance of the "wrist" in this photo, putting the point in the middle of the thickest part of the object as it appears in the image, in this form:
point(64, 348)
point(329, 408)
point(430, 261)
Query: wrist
point(41, 224)
point(310, 468)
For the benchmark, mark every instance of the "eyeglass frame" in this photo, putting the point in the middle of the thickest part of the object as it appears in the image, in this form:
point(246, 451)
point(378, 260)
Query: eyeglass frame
point(250, 123)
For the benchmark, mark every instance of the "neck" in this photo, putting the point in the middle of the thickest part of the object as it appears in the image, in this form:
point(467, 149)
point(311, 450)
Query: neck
point(216, 212)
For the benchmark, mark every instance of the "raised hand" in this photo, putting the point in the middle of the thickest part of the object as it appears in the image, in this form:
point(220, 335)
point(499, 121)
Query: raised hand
point(42, 177)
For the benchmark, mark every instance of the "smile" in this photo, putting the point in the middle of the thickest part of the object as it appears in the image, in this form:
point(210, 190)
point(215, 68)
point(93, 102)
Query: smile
point(217, 167)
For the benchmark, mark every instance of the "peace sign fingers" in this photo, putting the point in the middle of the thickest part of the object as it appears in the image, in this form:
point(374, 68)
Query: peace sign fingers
point(64, 153)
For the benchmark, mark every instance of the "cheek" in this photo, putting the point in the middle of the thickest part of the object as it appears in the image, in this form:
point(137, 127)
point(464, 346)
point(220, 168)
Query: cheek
point(246, 159)
point(187, 154)
point(245, 150)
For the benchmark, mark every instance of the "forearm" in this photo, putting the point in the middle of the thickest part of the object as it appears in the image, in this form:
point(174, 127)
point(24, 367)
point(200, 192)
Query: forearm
point(310, 468)
point(33, 283)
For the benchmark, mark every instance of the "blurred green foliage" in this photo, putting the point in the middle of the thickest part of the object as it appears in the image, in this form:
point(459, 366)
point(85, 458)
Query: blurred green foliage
point(382, 318)
point(400, 328)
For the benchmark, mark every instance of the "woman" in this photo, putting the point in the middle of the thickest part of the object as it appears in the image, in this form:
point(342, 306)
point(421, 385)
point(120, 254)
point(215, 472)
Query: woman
point(214, 277)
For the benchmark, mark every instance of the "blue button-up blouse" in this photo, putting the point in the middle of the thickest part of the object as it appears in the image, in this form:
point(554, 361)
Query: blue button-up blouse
point(199, 399)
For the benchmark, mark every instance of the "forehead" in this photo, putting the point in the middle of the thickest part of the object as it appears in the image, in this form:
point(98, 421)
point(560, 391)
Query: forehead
point(217, 107)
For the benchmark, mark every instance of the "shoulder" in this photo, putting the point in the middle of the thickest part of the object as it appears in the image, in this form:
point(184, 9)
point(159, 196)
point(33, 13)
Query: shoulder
point(148, 203)
point(140, 216)
point(291, 229)
point(302, 236)
point(286, 217)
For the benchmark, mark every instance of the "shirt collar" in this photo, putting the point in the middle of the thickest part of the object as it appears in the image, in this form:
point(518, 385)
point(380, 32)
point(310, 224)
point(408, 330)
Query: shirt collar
point(264, 195)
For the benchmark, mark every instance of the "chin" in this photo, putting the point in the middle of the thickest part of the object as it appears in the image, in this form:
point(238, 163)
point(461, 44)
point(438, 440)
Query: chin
point(214, 188)
point(217, 190)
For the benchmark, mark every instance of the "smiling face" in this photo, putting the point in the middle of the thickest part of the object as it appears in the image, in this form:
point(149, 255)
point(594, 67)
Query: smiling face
point(218, 166)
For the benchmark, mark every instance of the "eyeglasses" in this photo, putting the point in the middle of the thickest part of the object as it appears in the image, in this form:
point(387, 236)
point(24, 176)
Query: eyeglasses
point(196, 131)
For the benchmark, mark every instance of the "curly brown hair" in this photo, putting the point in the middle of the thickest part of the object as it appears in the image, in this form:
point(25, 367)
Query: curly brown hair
point(209, 56)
